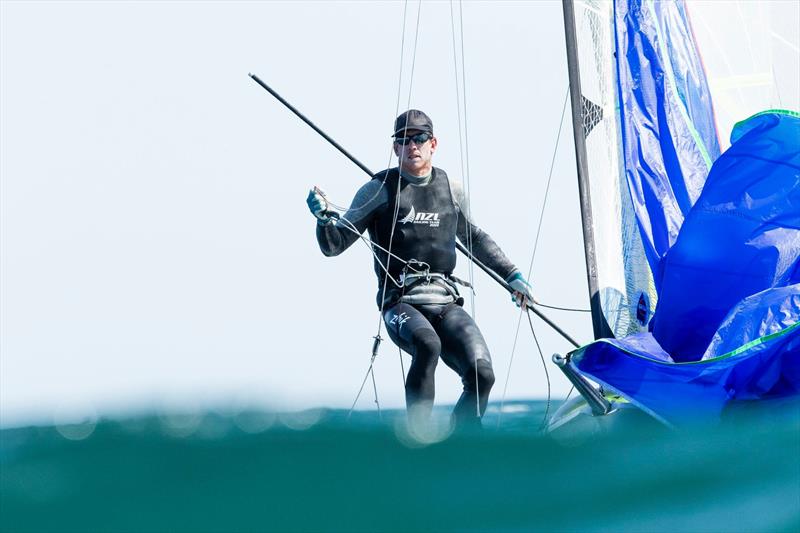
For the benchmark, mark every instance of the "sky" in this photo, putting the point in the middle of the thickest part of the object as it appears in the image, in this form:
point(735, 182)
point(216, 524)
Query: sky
point(157, 252)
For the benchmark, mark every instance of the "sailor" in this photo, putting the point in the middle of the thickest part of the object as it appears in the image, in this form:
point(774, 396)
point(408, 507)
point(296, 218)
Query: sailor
point(415, 212)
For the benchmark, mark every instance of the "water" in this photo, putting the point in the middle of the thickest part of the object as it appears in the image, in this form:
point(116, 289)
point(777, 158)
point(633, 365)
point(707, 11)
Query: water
point(315, 471)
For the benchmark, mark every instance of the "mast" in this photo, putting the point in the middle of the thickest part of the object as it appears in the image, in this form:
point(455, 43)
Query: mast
point(599, 324)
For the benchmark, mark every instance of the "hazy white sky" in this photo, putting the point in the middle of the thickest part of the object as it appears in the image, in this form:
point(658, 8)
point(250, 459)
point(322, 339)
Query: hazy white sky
point(156, 246)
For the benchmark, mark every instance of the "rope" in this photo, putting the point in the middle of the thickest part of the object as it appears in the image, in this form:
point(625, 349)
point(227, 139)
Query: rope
point(530, 267)
point(468, 188)
point(364, 382)
point(571, 389)
point(399, 176)
point(402, 367)
point(464, 152)
point(562, 308)
point(508, 372)
point(549, 179)
point(546, 373)
point(372, 245)
point(375, 389)
point(396, 112)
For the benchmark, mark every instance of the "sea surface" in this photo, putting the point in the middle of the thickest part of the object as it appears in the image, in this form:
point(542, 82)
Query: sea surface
point(319, 470)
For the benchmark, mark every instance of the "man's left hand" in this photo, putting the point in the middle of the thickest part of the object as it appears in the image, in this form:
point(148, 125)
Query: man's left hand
point(522, 289)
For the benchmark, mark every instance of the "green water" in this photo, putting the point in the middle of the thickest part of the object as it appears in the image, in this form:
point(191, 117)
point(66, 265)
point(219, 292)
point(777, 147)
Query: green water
point(319, 472)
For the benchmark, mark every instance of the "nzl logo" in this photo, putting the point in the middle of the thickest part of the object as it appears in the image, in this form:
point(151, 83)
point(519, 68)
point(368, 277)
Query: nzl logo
point(431, 219)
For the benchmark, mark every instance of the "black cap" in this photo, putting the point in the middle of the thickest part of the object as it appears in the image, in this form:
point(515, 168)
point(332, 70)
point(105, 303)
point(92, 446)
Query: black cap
point(413, 120)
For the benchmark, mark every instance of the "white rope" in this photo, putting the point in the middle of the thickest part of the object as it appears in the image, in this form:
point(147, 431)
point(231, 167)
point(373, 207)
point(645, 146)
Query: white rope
point(468, 185)
point(572, 309)
point(396, 112)
point(399, 179)
point(461, 100)
point(530, 267)
point(386, 268)
point(371, 245)
point(546, 373)
point(360, 390)
point(458, 110)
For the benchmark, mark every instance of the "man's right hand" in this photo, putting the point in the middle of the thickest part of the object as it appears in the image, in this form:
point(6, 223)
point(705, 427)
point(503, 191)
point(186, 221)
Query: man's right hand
point(318, 205)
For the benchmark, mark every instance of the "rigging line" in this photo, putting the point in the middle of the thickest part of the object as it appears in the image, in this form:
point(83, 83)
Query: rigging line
point(546, 373)
point(399, 176)
point(414, 54)
point(458, 91)
point(396, 112)
point(508, 372)
point(571, 390)
point(549, 179)
point(354, 208)
point(391, 152)
point(460, 100)
point(402, 54)
point(400, 164)
point(361, 389)
point(372, 245)
point(465, 171)
point(540, 304)
point(375, 389)
point(409, 264)
point(399, 180)
point(389, 254)
point(781, 39)
point(533, 255)
point(402, 367)
point(468, 189)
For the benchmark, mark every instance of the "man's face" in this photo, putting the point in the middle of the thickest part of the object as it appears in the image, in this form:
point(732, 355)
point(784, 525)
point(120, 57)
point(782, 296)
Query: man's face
point(415, 157)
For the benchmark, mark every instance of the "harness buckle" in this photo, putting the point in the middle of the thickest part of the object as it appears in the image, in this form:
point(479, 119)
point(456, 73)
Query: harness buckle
point(406, 277)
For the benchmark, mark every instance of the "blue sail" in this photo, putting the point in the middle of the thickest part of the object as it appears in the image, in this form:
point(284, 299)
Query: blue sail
point(741, 237)
point(669, 138)
point(721, 233)
point(727, 326)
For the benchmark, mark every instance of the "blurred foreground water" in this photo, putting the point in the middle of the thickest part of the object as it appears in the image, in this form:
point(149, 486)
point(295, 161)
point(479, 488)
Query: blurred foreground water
point(318, 471)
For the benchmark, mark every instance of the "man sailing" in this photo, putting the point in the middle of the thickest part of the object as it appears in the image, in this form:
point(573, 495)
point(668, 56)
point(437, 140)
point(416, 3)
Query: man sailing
point(415, 212)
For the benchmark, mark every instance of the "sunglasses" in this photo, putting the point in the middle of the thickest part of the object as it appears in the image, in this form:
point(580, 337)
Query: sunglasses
point(419, 138)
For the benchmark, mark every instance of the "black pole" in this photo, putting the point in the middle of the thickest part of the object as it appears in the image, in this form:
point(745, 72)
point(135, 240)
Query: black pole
point(363, 167)
point(507, 287)
point(314, 127)
point(599, 323)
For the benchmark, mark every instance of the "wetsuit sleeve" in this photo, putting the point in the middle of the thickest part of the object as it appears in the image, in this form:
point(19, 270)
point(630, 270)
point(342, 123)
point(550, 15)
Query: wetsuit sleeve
point(483, 246)
point(335, 237)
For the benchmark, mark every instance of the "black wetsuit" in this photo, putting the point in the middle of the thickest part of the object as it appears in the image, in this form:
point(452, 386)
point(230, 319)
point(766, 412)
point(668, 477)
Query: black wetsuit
point(424, 317)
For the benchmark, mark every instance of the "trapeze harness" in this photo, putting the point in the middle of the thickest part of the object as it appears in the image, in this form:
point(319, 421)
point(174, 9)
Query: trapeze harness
point(423, 315)
point(424, 235)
